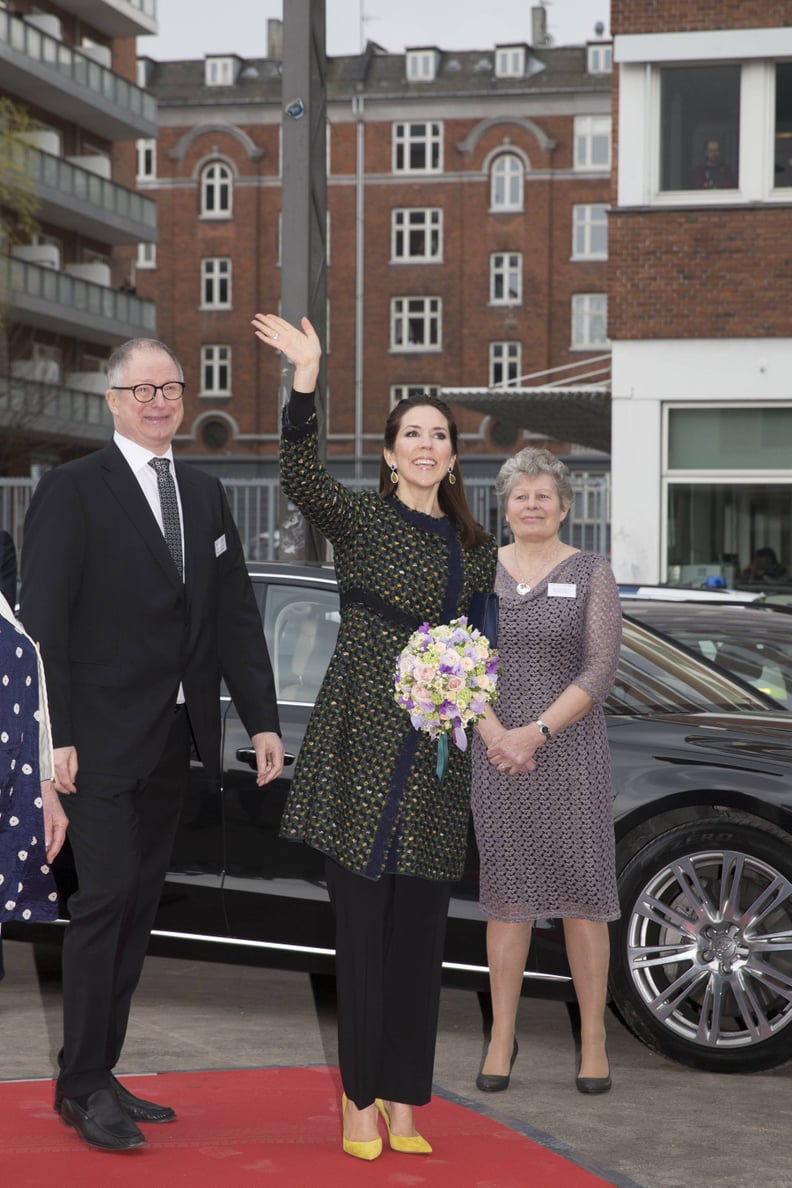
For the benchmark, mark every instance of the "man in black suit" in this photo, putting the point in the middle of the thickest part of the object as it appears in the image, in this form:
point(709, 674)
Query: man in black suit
point(8, 568)
point(136, 588)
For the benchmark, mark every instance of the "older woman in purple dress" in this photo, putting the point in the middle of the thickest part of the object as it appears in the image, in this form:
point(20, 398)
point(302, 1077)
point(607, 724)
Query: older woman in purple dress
point(542, 798)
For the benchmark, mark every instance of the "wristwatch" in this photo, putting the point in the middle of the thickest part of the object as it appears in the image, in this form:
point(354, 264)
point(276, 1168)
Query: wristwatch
point(545, 729)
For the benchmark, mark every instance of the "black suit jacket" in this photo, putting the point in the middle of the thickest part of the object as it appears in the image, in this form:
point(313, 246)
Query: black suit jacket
point(119, 630)
point(8, 568)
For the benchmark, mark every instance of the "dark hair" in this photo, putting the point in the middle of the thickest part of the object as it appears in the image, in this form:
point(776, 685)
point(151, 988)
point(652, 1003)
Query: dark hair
point(120, 357)
point(451, 497)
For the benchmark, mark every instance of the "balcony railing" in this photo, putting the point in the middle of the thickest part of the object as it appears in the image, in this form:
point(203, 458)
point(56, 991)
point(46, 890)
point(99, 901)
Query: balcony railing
point(56, 301)
point(115, 101)
point(116, 18)
point(125, 216)
point(36, 408)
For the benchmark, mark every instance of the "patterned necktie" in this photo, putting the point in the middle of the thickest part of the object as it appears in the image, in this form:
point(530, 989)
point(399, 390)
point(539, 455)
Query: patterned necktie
point(169, 507)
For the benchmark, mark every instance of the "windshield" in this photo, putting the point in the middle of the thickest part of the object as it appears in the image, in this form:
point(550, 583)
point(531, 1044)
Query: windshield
point(657, 677)
point(752, 644)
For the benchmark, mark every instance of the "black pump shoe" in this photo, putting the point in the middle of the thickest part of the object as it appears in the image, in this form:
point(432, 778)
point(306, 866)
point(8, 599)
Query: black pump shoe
point(593, 1084)
point(491, 1083)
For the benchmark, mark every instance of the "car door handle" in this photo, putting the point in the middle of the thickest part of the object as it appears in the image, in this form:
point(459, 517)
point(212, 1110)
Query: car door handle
point(248, 755)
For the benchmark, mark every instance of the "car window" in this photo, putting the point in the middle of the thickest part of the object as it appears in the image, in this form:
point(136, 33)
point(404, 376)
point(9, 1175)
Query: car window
point(301, 626)
point(762, 663)
point(755, 646)
point(656, 677)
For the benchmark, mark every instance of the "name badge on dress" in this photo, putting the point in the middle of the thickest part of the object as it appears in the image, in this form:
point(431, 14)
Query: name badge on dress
point(561, 590)
point(220, 545)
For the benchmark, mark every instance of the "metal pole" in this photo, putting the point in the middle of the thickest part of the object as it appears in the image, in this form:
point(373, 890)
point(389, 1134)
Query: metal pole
point(304, 219)
point(360, 214)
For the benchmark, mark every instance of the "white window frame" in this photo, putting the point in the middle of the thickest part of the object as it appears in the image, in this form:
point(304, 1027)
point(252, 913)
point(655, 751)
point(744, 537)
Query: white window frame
point(506, 271)
point(403, 391)
point(506, 358)
point(672, 477)
point(425, 311)
point(510, 61)
point(640, 109)
point(146, 255)
point(421, 65)
point(587, 218)
point(591, 132)
point(215, 282)
point(217, 180)
point(600, 58)
point(407, 221)
point(146, 148)
point(507, 183)
point(586, 309)
point(215, 371)
point(406, 136)
point(220, 71)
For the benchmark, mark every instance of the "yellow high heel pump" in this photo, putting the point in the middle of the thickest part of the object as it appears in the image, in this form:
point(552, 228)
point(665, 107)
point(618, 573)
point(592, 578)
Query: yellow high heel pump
point(408, 1144)
point(370, 1149)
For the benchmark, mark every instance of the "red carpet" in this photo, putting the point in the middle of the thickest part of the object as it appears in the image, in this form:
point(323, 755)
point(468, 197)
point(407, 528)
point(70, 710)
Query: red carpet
point(278, 1127)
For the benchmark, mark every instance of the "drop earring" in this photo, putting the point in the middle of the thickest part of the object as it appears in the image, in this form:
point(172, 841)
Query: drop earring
point(394, 476)
point(451, 476)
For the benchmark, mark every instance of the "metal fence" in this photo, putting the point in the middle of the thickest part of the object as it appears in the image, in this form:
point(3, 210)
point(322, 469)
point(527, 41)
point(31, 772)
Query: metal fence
point(254, 505)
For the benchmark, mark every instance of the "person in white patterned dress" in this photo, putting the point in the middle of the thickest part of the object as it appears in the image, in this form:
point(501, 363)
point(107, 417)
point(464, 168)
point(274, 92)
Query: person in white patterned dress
point(32, 821)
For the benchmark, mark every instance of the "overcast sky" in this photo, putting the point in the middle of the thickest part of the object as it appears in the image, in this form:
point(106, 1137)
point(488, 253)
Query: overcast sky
point(192, 28)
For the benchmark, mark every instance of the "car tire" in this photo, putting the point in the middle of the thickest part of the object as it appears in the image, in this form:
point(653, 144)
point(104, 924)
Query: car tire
point(702, 956)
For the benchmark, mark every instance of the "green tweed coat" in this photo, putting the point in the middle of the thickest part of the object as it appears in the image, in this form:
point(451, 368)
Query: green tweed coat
point(365, 791)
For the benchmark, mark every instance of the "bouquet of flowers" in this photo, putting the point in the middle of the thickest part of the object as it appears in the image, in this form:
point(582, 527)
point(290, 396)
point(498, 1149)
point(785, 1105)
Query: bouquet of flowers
point(445, 677)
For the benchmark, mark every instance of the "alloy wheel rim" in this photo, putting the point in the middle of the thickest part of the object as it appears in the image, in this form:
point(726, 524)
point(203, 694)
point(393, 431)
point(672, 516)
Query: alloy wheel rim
point(709, 949)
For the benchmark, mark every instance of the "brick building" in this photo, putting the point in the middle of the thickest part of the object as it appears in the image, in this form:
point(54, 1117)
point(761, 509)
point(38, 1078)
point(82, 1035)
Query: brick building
point(483, 177)
point(65, 293)
point(700, 287)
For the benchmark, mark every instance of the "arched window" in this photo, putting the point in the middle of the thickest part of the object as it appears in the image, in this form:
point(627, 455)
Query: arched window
point(506, 182)
point(217, 191)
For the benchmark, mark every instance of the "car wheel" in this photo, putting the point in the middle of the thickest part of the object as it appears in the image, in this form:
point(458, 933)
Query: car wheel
point(702, 964)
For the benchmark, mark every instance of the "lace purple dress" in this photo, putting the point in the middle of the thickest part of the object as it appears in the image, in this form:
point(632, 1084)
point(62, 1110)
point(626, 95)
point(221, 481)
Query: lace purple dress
point(545, 839)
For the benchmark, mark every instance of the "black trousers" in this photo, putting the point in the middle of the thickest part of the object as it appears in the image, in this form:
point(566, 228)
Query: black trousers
point(389, 953)
point(121, 833)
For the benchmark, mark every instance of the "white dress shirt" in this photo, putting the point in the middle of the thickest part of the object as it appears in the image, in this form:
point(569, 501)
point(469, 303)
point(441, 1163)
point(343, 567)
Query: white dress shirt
point(138, 458)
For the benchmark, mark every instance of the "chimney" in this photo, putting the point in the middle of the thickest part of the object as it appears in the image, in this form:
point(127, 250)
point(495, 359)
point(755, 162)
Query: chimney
point(275, 39)
point(538, 26)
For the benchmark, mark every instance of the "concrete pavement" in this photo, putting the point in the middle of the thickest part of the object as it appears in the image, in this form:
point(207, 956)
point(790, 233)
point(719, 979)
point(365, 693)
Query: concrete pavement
point(662, 1126)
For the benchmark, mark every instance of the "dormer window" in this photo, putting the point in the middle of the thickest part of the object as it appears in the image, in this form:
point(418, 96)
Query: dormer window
point(510, 61)
point(220, 72)
point(422, 64)
point(143, 71)
point(600, 59)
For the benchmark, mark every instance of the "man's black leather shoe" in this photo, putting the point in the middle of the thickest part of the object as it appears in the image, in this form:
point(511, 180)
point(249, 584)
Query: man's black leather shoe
point(136, 1108)
point(139, 1109)
point(101, 1122)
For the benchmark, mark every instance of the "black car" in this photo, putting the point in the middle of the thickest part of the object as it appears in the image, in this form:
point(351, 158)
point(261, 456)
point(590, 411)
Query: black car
point(702, 773)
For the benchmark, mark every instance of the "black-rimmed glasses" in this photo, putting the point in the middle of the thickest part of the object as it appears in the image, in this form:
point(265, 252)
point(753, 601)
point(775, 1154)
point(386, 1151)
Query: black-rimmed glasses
point(145, 393)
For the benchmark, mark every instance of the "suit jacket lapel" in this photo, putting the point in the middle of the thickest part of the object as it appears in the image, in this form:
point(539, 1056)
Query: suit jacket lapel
point(119, 478)
point(194, 538)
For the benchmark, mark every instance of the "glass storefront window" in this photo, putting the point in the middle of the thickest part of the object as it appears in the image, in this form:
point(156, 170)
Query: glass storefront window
point(733, 526)
point(699, 127)
point(724, 438)
point(729, 530)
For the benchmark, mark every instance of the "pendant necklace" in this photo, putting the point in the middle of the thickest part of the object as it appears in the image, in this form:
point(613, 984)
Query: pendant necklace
point(522, 587)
